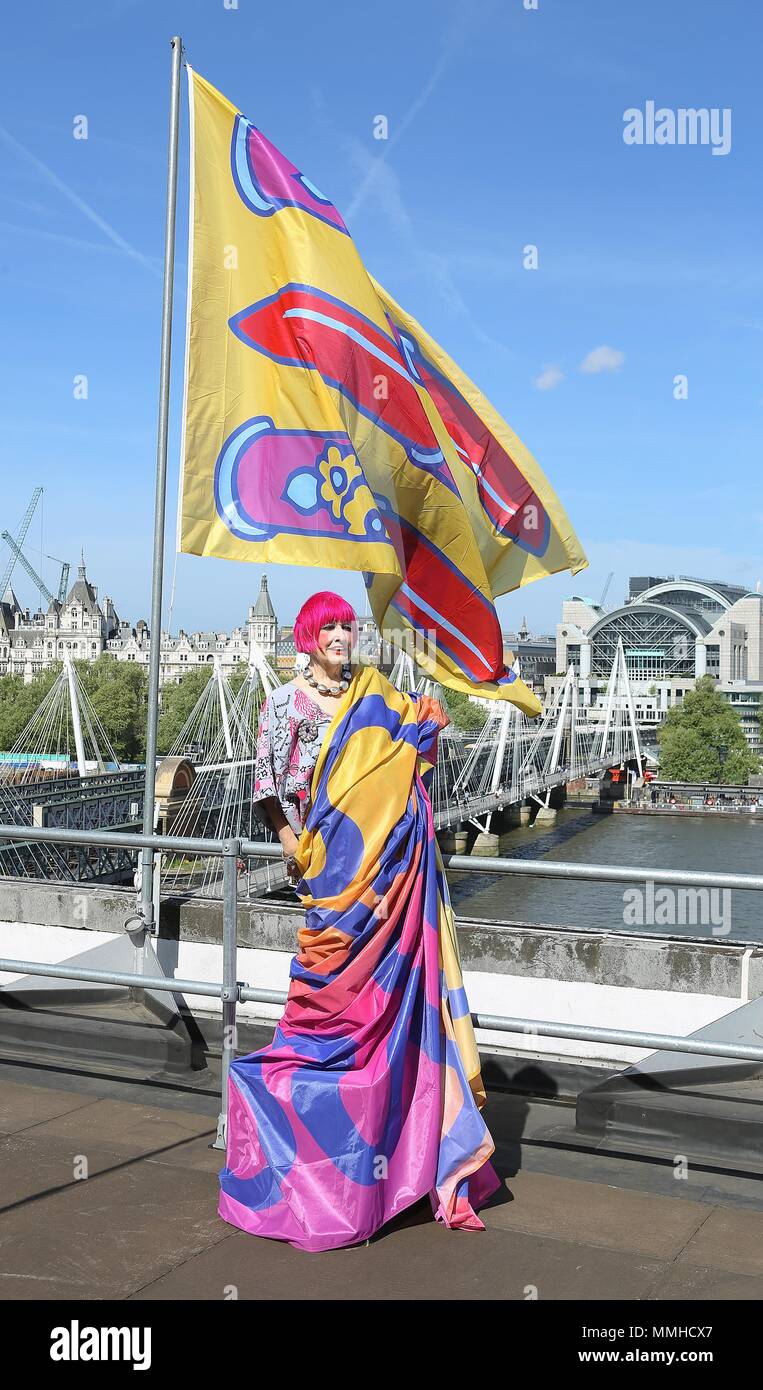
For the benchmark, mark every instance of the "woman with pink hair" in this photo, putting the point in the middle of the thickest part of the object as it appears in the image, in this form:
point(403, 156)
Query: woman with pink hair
point(368, 1099)
point(295, 716)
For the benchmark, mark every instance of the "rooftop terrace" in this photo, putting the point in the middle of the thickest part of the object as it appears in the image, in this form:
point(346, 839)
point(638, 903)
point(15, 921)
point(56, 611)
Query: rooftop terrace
point(569, 1222)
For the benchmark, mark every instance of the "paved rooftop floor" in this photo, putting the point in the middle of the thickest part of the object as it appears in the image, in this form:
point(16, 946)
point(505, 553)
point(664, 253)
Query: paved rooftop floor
point(569, 1223)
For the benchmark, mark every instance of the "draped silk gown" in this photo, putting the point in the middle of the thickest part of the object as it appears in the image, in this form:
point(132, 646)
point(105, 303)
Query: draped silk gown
point(369, 1096)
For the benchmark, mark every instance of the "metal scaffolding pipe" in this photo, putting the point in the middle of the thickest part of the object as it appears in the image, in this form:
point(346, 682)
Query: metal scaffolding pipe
point(232, 992)
point(264, 849)
point(146, 899)
point(602, 873)
point(110, 977)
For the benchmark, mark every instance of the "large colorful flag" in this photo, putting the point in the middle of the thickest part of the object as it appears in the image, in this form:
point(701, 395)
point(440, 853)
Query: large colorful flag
point(322, 426)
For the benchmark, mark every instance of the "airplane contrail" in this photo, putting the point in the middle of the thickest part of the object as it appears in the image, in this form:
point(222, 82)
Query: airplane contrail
point(79, 203)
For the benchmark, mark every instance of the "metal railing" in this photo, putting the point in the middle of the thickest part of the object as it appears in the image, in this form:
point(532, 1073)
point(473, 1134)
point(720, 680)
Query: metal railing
point(230, 990)
point(603, 873)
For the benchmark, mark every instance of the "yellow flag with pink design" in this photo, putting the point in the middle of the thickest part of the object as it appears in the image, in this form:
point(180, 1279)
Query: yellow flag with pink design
point(323, 427)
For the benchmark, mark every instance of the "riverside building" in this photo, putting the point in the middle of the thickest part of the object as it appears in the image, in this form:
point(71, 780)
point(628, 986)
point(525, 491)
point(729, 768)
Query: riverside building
point(674, 630)
point(87, 627)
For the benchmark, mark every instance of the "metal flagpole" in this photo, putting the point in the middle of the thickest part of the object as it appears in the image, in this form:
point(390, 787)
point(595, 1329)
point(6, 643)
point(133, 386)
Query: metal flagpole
point(147, 858)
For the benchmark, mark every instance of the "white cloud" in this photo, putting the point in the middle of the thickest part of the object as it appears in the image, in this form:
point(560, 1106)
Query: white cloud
point(602, 359)
point(549, 378)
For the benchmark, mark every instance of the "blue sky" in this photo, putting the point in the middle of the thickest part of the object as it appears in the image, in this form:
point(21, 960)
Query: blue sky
point(505, 129)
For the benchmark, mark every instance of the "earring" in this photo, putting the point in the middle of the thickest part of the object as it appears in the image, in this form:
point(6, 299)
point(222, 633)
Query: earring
point(301, 662)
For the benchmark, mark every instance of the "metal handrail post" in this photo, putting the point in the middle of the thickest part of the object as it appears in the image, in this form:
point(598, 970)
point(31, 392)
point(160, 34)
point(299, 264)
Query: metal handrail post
point(231, 854)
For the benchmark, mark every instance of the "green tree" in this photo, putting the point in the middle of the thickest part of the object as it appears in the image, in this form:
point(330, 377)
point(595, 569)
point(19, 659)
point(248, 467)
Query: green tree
point(237, 677)
point(118, 691)
point(702, 740)
point(20, 701)
point(463, 712)
point(177, 702)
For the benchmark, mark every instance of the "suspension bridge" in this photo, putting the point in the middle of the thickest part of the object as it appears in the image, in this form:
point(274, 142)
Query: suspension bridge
point(63, 772)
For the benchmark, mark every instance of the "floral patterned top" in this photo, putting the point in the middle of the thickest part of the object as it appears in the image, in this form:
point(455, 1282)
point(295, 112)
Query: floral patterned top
point(291, 731)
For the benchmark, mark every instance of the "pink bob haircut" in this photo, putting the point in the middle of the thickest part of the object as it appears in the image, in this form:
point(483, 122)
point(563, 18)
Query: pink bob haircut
point(325, 607)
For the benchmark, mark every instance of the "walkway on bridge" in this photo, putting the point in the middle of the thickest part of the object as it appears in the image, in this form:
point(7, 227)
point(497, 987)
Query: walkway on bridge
point(143, 1226)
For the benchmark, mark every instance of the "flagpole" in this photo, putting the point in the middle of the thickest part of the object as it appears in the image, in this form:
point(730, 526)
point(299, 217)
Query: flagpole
point(147, 858)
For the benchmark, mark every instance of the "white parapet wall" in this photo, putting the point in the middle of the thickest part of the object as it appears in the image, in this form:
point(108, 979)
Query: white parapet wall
point(602, 979)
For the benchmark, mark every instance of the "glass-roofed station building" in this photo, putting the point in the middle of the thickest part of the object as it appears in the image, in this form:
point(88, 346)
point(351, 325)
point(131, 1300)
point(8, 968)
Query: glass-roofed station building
point(674, 630)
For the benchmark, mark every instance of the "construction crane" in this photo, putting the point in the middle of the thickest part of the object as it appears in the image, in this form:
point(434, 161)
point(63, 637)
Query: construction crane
point(21, 537)
point(31, 571)
point(605, 590)
point(64, 580)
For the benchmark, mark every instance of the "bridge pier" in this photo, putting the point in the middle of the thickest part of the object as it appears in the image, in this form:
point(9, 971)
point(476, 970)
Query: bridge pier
point(487, 844)
point(508, 817)
point(452, 840)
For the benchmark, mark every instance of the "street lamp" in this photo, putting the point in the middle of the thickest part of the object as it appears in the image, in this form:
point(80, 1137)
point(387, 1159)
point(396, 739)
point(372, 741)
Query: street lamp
point(722, 752)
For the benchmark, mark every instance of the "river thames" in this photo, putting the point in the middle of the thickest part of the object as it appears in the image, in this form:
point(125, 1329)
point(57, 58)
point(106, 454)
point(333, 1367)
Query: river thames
point(713, 843)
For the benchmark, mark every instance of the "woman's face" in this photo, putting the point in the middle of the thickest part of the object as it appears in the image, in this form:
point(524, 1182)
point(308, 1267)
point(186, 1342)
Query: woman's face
point(335, 641)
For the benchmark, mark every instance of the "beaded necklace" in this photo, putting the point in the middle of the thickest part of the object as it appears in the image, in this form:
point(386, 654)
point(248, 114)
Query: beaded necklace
point(324, 689)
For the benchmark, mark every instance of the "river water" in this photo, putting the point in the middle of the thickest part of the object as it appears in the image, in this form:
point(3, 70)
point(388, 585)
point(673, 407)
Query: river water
point(713, 843)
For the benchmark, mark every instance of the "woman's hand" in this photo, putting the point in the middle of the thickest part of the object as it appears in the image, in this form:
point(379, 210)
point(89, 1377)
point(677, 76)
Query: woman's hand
point(289, 841)
point(289, 845)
